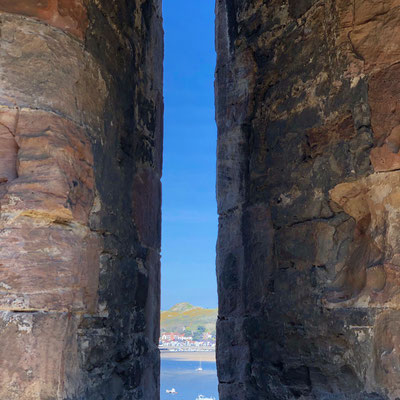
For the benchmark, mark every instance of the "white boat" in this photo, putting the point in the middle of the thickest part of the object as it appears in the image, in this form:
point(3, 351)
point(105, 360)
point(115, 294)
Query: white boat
point(200, 368)
point(201, 397)
point(172, 391)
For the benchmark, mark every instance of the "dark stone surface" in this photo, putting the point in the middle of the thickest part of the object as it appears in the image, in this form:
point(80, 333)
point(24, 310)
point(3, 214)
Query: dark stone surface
point(294, 123)
point(123, 360)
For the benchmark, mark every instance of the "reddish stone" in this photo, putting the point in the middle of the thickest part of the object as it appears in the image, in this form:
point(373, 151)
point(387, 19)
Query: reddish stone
point(37, 351)
point(49, 258)
point(384, 100)
point(8, 156)
point(68, 15)
point(54, 157)
point(45, 69)
point(387, 157)
point(383, 159)
point(376, 23)
point(322, 137)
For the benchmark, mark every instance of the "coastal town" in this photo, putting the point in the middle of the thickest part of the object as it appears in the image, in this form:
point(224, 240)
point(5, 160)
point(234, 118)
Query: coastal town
point(174, 341)
point(188, 328)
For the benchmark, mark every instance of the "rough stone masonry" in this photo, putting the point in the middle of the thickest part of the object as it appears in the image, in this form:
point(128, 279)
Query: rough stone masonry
point(308, 264)
point(80, 166)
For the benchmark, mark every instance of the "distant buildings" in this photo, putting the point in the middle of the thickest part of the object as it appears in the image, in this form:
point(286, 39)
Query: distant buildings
point(179, 342)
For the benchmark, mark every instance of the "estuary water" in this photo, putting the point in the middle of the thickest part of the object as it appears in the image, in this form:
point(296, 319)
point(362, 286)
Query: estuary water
point(189, 383)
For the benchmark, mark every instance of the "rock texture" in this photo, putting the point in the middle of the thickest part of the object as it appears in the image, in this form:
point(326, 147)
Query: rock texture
point(308, 195)
point(80, 167)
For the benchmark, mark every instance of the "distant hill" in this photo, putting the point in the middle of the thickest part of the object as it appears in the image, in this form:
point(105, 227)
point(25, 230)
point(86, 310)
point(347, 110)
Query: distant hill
point(186, 316)
point(180, 307)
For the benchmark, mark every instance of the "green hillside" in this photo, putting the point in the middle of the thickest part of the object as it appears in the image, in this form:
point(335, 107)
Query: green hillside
point(186, 316)
point(180, 307)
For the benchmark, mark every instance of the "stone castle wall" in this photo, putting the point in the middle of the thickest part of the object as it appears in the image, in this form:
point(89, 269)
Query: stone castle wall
point(80, 168)
point(308, 255)
point(308, 195)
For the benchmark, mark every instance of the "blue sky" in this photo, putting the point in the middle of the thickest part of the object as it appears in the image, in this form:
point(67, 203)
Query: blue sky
point(189, 207)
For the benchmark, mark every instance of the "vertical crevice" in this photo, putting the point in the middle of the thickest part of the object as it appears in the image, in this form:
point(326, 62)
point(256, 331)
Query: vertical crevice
point(8, 148)
point(232, 23)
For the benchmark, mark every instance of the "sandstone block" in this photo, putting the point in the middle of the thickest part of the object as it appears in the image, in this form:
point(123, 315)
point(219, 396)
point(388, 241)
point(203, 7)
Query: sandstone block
point(49, 257)
point(37, 351)
point(68, 15)
point(43, 68)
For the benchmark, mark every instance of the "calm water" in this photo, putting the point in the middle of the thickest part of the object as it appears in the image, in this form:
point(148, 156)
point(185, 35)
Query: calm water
point(188, 382)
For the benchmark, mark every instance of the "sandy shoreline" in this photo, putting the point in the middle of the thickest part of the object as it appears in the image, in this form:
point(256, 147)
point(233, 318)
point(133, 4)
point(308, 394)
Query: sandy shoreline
point(189, 356)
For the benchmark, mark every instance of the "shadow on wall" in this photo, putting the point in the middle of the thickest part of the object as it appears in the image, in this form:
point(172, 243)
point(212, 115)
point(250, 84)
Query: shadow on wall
point(8, 147)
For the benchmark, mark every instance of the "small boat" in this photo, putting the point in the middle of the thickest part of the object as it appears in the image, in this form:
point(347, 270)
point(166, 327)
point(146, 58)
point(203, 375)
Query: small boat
point(200, 368)
point(171, 391)
point(201, 397)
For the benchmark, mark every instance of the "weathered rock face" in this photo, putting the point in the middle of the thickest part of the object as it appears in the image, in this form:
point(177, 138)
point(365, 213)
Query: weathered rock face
point(80, 167)
point(308, 257)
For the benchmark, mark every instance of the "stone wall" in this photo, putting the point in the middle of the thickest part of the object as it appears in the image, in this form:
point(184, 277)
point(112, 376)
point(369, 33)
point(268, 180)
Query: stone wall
point(80, 167)
point(308, 257)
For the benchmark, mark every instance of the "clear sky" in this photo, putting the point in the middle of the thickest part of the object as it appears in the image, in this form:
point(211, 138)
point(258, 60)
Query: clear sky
point(189, 205)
